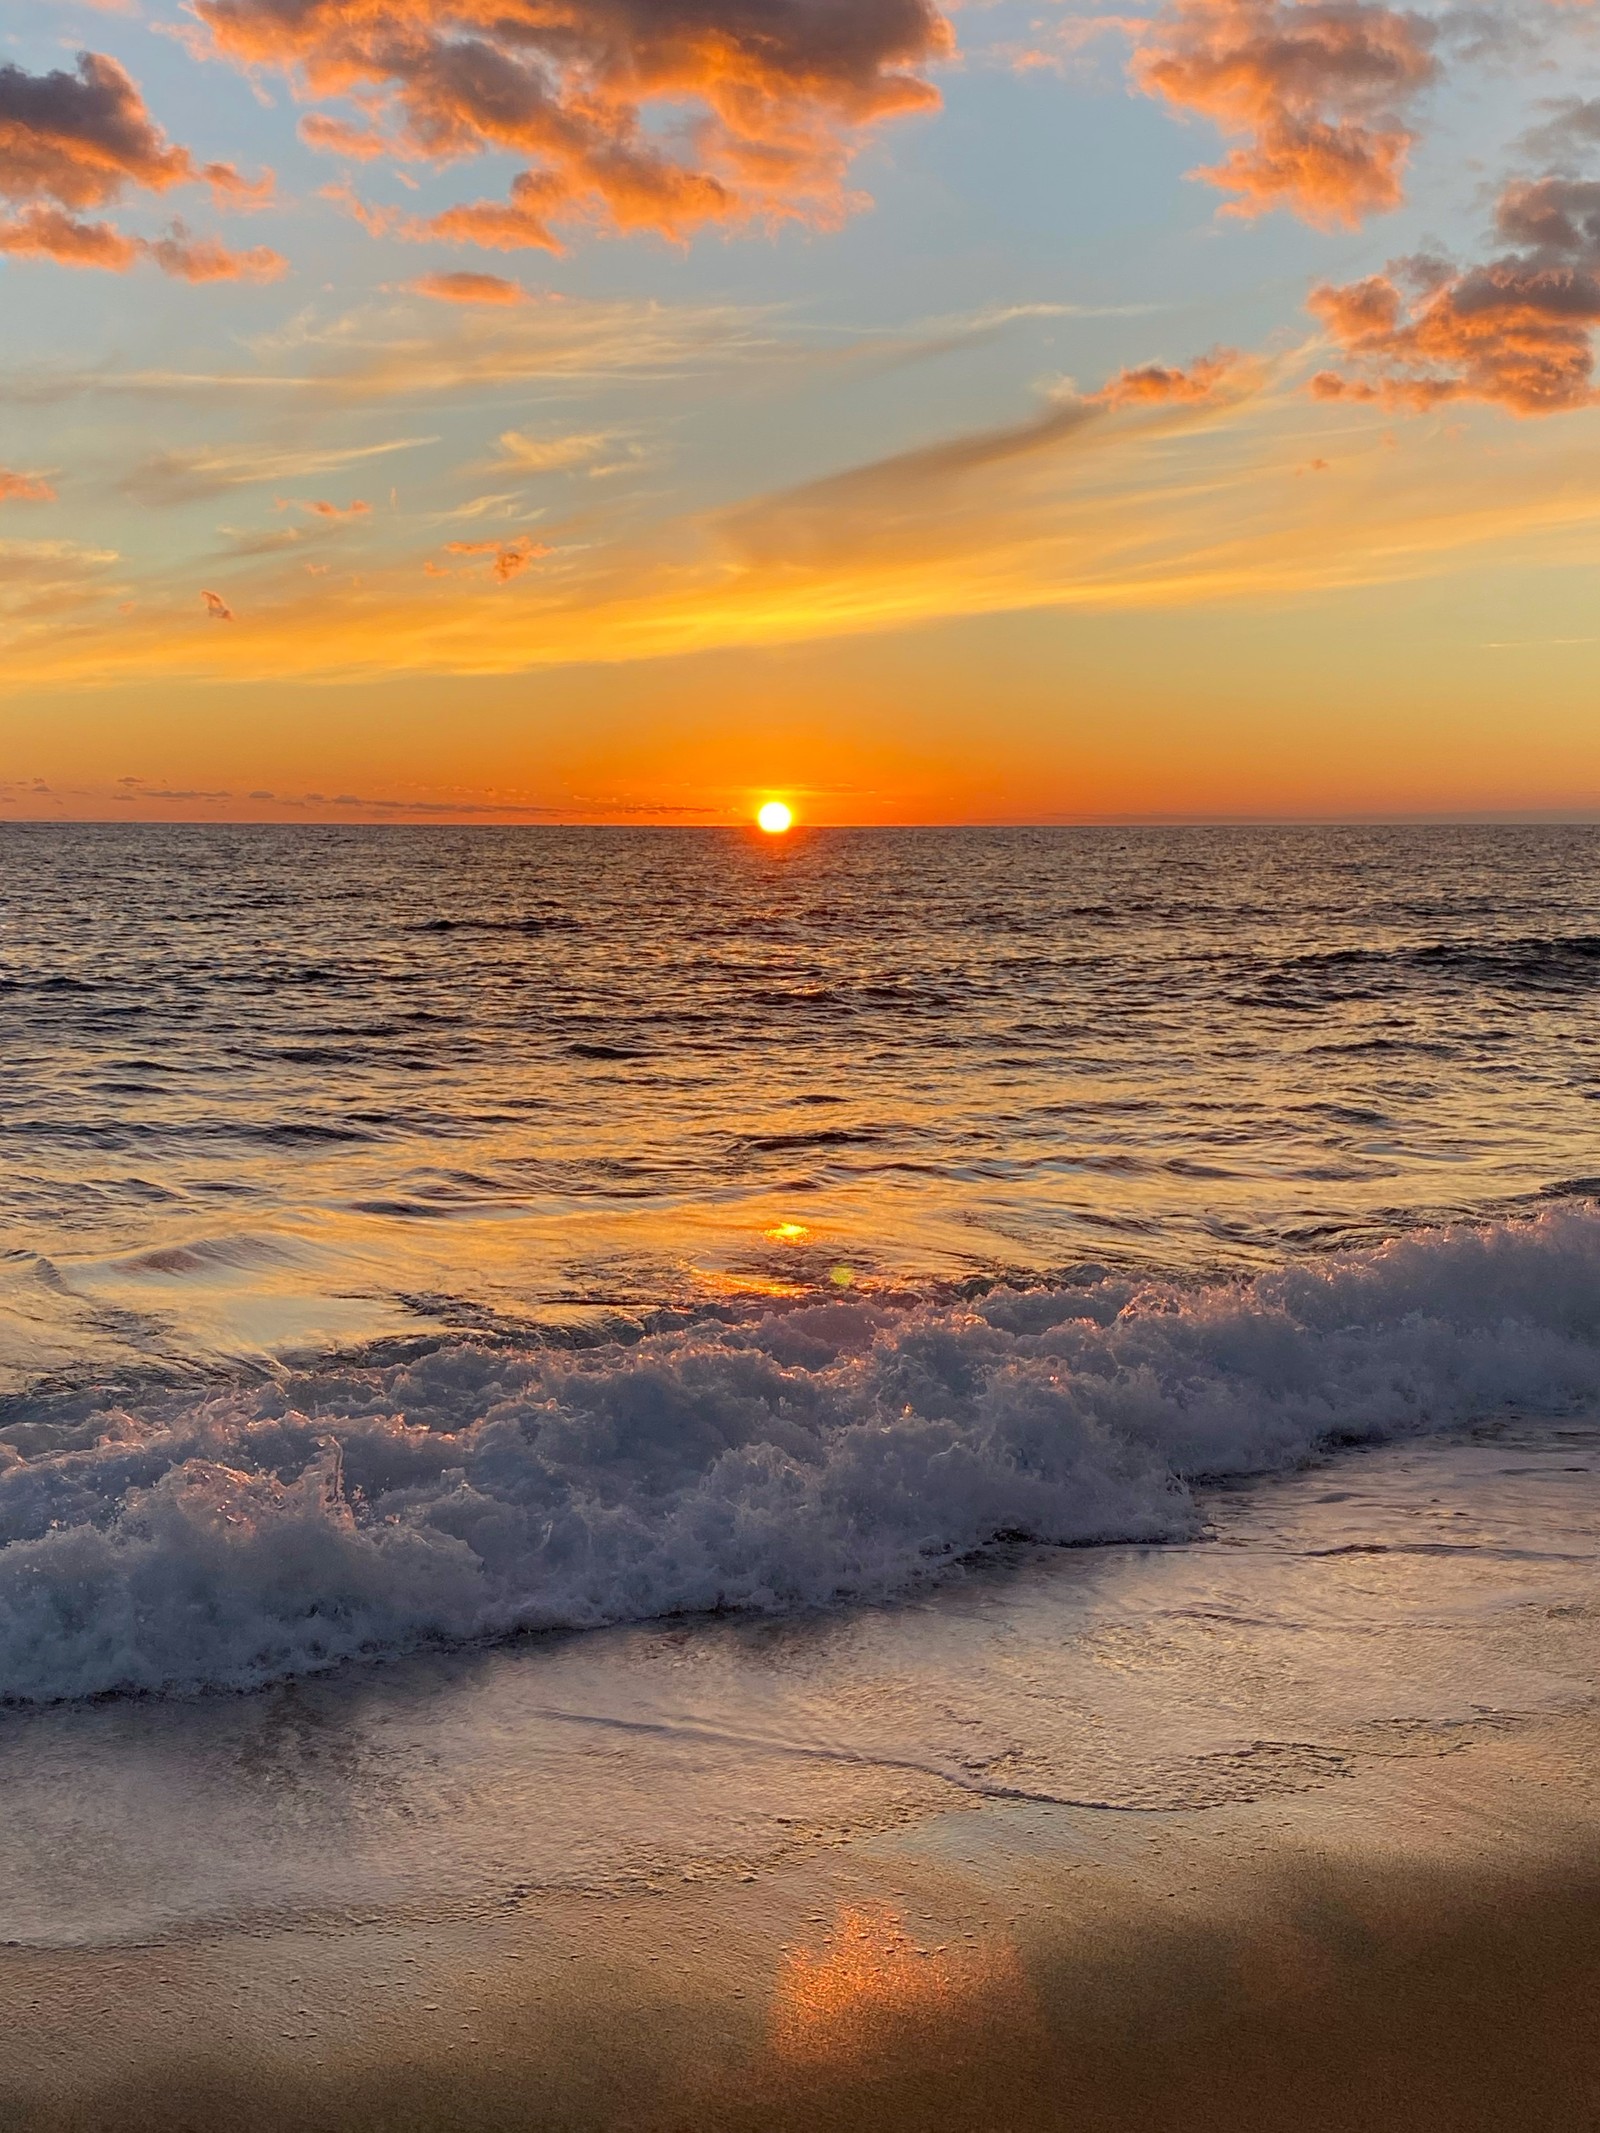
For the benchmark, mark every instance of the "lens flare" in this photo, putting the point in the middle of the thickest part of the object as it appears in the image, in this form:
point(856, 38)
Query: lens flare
point(775, 818)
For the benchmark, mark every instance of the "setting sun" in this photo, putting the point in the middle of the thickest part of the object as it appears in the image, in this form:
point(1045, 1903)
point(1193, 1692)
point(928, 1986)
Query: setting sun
point(775, 818)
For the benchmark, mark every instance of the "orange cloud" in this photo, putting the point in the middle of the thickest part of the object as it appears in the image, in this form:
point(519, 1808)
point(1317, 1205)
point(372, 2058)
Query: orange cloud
point(336, 136)
point(204, 259)
point(1515, 332)
point(216, 607)
point(48, 233)
point(75, 141)
point(775, 98)
point(81, 139)
point(511, 558)
point(357, 509)
point(465, 288)
point(24, 488)
point(1155, 384)
point(1312, 90)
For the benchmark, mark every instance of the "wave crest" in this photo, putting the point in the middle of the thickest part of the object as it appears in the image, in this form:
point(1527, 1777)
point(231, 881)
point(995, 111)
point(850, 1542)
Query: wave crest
point(824, 1453)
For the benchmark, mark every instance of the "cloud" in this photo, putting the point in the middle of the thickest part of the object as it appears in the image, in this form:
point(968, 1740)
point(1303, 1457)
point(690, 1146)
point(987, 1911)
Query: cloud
point(81, 140)
point(551, 455)
point(71, 142)
point(49, 233)
point(204, 259)
point(24, 488)
point(660, 115)
point(43, 583)
point(1515, 331)
point(1313, 91)
point(890, 502)
point(26, 559)
point(511, 558)
point(465, 288)
point(1080, 506)
point(1157, 385)
point(188, 476)
point(137, 789)
point(356, 509)
point(337, 136)
point(1572, 130)
point(400, 351)
point(216, 607)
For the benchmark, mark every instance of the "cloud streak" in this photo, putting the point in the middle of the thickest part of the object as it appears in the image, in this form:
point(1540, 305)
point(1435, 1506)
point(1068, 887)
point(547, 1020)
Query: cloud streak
point(185, 477)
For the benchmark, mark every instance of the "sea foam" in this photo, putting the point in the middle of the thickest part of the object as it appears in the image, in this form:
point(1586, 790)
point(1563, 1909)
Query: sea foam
point(823, 1453)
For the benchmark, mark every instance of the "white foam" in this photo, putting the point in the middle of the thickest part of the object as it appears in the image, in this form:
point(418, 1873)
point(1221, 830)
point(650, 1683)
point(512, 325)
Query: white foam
point(821, 1454)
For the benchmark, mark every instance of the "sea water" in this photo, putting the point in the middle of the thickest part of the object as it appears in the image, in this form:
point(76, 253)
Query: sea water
point(418, 1237)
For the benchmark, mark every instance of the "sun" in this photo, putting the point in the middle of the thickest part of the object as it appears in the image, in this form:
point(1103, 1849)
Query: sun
point(775, 818)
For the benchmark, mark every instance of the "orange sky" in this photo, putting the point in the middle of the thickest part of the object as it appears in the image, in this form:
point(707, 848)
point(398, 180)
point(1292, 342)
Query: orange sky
point(989, 417)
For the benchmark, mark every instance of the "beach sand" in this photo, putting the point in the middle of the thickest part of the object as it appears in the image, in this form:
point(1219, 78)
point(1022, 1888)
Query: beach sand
point(1389, 1920)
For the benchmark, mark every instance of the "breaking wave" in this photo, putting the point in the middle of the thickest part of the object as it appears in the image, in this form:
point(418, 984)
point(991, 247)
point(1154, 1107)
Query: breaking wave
point(823, 1453)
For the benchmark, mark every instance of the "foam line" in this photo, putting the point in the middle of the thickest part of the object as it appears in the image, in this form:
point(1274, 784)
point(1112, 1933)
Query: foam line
point(828, 1453)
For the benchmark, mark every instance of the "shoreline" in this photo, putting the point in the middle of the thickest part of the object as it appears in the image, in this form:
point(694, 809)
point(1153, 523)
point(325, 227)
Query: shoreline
point(826, 1876)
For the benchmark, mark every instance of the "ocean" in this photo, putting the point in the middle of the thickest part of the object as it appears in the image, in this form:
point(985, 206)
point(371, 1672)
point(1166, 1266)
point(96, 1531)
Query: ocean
point(420, 1237)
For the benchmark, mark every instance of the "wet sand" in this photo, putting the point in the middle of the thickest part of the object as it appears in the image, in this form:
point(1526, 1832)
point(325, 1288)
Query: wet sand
point(1421, 1949)
point(1379, 1909)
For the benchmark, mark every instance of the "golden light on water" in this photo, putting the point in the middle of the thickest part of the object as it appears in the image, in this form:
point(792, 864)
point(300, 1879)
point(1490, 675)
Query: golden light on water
point(775, 817)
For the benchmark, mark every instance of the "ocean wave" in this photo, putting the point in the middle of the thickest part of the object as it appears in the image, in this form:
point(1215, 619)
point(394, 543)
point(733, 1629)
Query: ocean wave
point(829, 1452)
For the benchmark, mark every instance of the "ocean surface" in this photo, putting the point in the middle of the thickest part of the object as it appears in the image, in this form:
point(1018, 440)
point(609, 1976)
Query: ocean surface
point(416, 1237)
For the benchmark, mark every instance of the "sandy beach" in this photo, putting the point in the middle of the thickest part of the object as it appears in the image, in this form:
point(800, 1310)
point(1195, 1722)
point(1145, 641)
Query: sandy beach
point(1358, 1887)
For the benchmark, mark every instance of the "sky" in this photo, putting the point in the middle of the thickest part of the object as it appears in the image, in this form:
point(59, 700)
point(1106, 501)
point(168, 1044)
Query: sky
point(632, 410)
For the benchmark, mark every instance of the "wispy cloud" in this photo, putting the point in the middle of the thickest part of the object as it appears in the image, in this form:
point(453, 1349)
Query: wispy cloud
point(552, 455)
point(183, 477)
